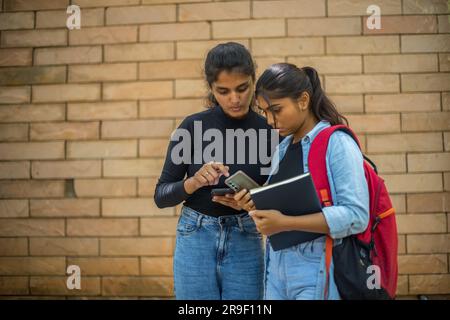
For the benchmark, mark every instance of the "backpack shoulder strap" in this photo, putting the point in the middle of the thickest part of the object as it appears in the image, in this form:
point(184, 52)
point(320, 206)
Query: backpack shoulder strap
point(318, 170)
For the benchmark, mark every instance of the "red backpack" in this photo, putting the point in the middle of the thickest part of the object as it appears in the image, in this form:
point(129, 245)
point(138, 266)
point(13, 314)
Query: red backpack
point(367, 256)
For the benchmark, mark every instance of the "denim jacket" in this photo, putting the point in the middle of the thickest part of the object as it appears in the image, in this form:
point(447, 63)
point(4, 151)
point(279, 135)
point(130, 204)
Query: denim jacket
point(350, 211)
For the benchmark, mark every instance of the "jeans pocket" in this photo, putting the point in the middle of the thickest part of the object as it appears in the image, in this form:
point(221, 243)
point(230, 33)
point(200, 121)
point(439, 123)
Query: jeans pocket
point(249, 227)
point(186, 226)
point(309, 251)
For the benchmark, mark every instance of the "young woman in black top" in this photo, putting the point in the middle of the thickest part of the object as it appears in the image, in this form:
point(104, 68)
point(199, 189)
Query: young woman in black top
point(219, 252)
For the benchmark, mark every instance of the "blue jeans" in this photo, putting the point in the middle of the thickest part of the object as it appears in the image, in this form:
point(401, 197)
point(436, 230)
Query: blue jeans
point(218, 258)
point(298, 272)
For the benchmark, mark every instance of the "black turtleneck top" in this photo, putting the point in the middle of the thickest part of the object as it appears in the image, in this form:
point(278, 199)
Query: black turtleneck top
point(170, 187)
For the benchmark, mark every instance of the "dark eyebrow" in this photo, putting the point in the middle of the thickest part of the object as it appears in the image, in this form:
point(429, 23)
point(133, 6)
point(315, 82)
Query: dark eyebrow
point(241, 85)
point(273, 106)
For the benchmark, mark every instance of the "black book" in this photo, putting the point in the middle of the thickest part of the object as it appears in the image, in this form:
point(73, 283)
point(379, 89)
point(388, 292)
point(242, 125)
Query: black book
point(294, 197)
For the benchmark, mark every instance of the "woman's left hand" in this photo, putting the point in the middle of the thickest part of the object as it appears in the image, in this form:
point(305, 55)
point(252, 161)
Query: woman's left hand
point(269, 222)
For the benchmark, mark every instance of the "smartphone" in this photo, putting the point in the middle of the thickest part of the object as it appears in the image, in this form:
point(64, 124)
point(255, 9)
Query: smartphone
point(239, 181)
point(221, 191)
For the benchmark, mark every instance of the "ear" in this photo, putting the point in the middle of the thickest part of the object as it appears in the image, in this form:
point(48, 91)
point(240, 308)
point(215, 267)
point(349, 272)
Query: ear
point(303, 101)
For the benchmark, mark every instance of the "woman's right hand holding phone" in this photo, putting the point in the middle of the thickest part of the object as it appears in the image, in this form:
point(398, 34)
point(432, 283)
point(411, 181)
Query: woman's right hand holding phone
point(244, 200)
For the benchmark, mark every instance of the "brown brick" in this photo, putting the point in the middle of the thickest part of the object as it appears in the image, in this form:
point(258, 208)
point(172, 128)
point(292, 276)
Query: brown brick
point(159, 226)
point(262, 63)
point(13, 247)
point(102, 110)
point(32, 266)
point(103, 72)
point(133, 207)
point(447, 141)
point(17, 5)
point(416, 264)
point(146, 186)
point(14, 170)
point(424, 6)
point(199, 49)
point(429, 284)
point(425, 82)
point(157, 266)
point(105, 3)
point(66, 169)
point(175, 31)
point(14, 286)
point(401, 244)
point(375, 123)
point(150, 246)
point(214, 11)
point(102, 149)
point(90, 286)
point(106, 266)
point(176, 69)
point(446, 101)
point(405, 142)
point(169, 108)
point(64, 131)
point(429, 202)
point(142, 286)
point(429, 162)
point(103, 35)
point(403, 24)
point(400, 63)
point(31, 227)
point(32, 113)
point(15, 94)
point(421, 223)
point(105, 187)
point(140, 14)
point(389, 163)
point(58, 18)
point(402, 285)
point(447, 181)
point(139, 52)
point(66, 92)
point(363, 45)
point(359, 7)
point(15, 57)
point(443, 24)
point(34, 38)
point(132, 168)
point(430, 243)
point(248, 28)
point(31, 150)
point(430, 121)
point(399, 202)
point(69, 55)
point(137, 129)
point(287, 9)
point(413, 182)
point(330, 65)
point(13, 208)
point(153, 147)
point(425, 43)
point(65, 208)
point(102, 227)
point(362, 83)
point(190, 88)
point(348, 103)
point(31, 189)
point(64, 247)
point(444, 62)
point(138, 90)
point(16, 20)
point(324, 26)
point(13, 132)
point(403, 102)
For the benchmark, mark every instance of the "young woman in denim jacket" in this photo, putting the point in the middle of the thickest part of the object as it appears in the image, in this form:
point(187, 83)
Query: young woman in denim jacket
point(293, 102)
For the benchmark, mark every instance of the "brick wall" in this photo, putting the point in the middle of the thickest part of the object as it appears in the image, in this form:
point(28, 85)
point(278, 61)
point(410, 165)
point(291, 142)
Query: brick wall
point(85, 118)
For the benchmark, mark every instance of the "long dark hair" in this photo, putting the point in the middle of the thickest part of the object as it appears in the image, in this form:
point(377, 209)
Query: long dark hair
point(286, 80)
point(230, 56)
